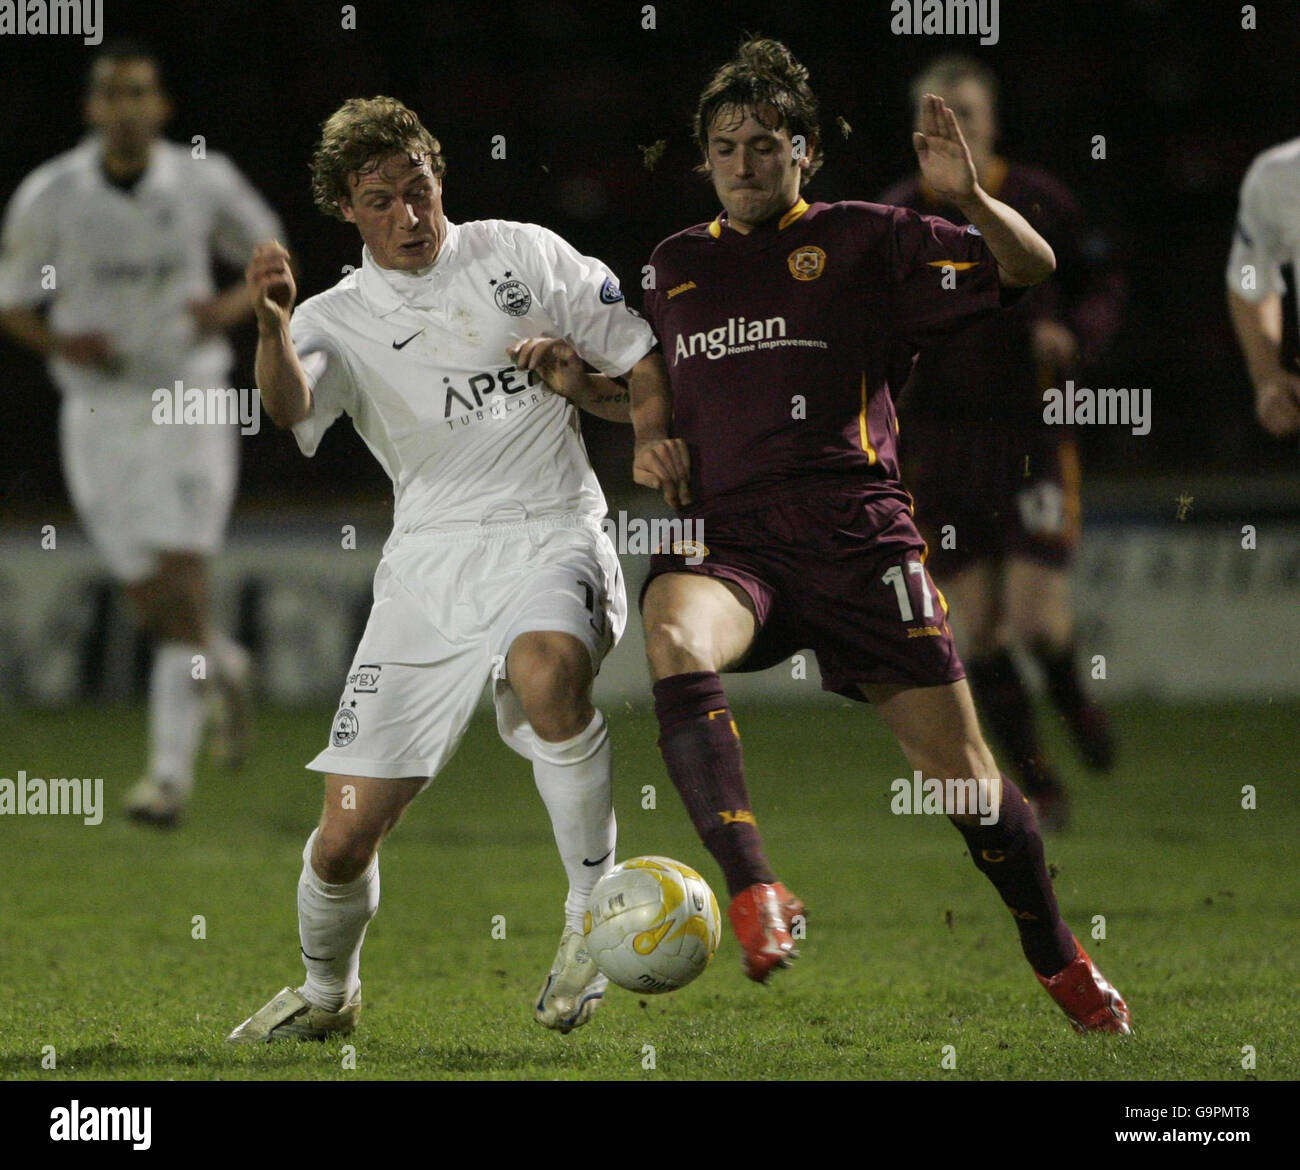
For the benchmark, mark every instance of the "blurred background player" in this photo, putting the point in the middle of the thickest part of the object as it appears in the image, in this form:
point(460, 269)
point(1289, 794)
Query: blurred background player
point(496, 570)
point(978, 456)
point(1262, 285)
point(118, 235)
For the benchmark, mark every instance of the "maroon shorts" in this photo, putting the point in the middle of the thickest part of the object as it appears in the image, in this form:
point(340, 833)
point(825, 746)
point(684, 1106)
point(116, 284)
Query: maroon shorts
point(984, 491)
point(832, 568)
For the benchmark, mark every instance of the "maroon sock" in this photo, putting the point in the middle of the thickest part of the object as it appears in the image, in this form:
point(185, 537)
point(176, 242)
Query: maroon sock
point(1062, 675)
point(701, 748)
point(1002, 699)
point(1010, 854)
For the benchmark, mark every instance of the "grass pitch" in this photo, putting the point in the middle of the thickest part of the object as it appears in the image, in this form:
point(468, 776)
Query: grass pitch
point(909, 949)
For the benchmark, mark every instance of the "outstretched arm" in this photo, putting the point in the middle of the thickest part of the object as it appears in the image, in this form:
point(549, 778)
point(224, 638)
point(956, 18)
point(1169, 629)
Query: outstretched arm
point(1023, 256)
point(565, 373)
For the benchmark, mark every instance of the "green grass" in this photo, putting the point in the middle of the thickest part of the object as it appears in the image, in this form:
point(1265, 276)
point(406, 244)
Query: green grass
point(908, 949)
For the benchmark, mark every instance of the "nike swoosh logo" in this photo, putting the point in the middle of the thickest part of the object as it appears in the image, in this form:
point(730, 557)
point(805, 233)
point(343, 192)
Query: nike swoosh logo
point(318, 960)
point(401, 344)
point(597, 861)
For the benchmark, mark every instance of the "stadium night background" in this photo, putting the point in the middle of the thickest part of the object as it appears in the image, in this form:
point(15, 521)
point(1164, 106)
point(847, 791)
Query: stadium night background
point(129, 953)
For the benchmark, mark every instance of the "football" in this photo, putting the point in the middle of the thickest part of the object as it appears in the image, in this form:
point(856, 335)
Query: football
point(652, 924)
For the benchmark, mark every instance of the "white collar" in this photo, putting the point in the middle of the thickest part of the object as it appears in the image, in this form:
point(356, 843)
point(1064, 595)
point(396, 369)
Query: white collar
point(388, 289)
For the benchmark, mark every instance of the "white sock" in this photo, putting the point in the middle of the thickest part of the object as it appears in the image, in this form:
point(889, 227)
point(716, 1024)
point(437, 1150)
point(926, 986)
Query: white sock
point(575, 779)
point(176, 714)
point(332, 923)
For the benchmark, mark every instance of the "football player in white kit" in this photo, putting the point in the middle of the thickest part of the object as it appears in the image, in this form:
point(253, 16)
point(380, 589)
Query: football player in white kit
point(119, 234)
point(1262, 275)
point(458, 351)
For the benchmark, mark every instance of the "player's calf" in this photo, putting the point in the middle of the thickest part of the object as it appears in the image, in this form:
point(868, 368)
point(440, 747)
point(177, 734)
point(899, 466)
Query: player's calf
point(1009, 852)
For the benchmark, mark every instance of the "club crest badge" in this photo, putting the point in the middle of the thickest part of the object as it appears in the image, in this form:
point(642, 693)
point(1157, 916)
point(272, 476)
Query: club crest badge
point(807, 263)
point(346, 726)
point(513, 297)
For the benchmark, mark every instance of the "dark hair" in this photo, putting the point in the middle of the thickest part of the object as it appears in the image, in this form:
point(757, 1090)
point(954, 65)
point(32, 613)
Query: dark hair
point(765, 80)
point(123, 49)
point(357, 137)
point(950, 70)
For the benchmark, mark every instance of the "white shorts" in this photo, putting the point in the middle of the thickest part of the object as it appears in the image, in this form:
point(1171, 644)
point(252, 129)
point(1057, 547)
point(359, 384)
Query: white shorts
point(140, 488)
point(447, 609)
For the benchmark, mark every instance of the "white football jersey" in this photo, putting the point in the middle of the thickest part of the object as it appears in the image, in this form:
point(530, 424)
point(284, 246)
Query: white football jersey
point(1267, 235)
point(127, 263)
point(419, 363)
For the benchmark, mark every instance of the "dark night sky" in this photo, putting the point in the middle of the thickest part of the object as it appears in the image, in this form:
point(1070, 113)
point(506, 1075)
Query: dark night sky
point(1184, 96)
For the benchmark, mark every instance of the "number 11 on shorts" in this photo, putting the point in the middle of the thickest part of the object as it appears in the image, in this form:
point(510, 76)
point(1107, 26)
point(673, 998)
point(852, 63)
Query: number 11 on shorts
point(894, 576)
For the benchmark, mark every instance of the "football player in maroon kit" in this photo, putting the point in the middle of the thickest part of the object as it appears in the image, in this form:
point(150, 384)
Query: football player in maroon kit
point(1002, 534)
point(784, 326)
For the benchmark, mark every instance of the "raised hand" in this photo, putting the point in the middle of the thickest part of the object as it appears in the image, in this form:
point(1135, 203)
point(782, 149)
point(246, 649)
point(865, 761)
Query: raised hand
point(942, 152)
point(271, 286)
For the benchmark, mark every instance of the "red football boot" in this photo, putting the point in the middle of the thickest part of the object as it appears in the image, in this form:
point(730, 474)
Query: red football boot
point(1085, 996)
point(762, 916)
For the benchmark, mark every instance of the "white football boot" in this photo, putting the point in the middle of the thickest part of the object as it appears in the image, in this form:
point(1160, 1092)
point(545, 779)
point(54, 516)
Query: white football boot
point(290, 1017)
point(155, 802)
point(574, 989)
point(230, 701)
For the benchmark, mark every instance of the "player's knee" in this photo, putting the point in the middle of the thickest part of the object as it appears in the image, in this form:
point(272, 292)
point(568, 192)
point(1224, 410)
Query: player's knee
point(343, 851)
point(558, 706)
point(673, 648)
point(553, 682)
point(171, 610)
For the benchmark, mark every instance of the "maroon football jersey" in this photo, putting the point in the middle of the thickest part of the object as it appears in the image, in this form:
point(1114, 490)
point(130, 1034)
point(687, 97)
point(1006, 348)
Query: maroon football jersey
point(782, 344)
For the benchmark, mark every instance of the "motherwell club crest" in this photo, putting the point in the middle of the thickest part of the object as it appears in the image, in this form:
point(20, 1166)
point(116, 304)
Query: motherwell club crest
point(807, 263)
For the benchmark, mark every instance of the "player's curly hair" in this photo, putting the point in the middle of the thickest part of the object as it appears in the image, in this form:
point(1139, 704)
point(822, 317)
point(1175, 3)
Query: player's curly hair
point(765, 80)
point(357, 137)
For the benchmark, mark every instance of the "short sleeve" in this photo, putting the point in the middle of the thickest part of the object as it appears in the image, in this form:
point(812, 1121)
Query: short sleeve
point(28, 241)
point(582, 297)
point(1256, 240)
point(328, 375)
point(241, 218)
point(944, 277)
